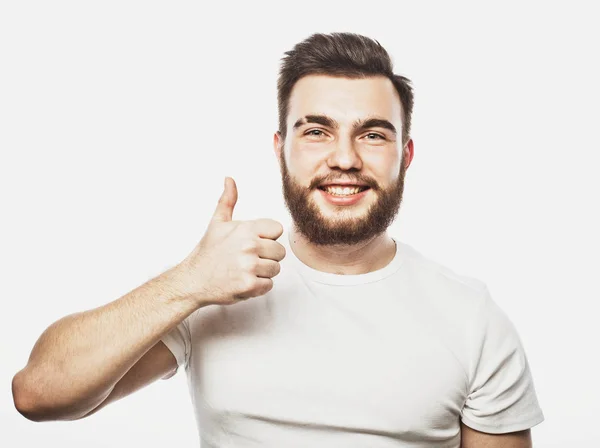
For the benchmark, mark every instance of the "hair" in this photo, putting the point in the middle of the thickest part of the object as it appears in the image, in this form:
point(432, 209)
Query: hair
point(346, 55)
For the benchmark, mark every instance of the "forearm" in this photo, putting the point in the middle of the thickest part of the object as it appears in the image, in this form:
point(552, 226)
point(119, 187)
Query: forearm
point(78, 360)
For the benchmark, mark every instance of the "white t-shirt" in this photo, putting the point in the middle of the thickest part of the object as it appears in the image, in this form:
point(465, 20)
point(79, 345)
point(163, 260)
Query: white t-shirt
point(391, 358)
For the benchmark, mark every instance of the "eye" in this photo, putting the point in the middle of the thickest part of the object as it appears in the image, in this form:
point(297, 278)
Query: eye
point(374, 136)
point(315, 133)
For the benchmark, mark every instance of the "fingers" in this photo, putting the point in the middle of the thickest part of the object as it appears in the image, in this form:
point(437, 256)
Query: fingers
point(264, 285)
point(271, 250)
point(260, 286)
point(267, 268)
point(268, 228)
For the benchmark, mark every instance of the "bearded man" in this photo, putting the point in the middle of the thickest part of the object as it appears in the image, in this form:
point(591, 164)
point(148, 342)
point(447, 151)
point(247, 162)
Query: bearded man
point(360, 341)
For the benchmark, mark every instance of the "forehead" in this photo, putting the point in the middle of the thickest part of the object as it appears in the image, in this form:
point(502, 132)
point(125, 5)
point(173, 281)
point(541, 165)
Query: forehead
point(345, 99)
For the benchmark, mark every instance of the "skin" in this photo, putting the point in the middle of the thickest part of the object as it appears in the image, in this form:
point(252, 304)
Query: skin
point(470, 438)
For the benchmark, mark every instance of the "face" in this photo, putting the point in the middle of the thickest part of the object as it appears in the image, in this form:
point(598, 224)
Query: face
point(342, 162)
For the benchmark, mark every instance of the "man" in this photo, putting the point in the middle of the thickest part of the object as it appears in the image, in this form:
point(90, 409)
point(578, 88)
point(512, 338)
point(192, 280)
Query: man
point(360, 342)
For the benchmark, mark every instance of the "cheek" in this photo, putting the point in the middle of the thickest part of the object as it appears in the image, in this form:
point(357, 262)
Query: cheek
point(304, 164)
point(384, 167)
point(394, 170)
point(394, 162)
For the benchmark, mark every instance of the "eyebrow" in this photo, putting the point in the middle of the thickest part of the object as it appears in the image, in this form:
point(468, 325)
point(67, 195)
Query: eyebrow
point(317, 119)
point(358, 125)
point(374, 123)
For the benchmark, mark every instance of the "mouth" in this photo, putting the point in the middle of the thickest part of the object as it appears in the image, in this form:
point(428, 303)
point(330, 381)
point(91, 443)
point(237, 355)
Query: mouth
point(343, 190)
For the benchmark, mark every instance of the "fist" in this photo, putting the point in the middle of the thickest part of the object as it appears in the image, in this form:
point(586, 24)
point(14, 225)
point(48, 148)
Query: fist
point(234, 260)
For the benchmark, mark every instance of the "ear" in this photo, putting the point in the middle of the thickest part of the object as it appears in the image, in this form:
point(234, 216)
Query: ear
point(409, 152)
point(278, 145)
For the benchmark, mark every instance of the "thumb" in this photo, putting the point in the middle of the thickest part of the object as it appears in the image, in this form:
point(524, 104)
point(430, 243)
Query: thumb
point(227, 201)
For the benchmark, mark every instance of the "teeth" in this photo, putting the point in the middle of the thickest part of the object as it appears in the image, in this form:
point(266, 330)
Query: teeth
point(342, 191)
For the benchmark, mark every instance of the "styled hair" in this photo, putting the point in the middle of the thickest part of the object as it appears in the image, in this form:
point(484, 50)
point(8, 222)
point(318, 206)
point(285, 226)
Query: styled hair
point(346, 55)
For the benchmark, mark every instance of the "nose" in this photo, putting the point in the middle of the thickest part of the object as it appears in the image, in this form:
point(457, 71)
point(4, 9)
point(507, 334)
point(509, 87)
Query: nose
point(344, 156)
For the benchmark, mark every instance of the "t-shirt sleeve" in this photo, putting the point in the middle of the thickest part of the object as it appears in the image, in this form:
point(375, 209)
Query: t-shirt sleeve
point(179, 341)
point(502, 396)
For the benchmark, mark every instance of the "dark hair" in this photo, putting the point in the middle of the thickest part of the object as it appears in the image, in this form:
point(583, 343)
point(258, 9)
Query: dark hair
point(340, 54)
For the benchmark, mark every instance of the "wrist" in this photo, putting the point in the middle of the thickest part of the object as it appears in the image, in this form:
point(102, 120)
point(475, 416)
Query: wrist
point(184, 285)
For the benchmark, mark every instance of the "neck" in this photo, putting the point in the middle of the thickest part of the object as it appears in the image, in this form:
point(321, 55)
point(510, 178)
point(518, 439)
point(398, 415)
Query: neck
point(368, 256)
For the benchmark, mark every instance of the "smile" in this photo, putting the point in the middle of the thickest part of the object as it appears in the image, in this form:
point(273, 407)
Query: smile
point(343, 195)
point(342, 190)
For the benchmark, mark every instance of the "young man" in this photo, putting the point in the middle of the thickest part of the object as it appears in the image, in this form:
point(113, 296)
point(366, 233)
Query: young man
point(360, 342)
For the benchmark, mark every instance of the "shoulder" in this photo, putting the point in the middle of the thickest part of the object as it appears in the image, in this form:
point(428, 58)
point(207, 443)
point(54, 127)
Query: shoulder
point(439, 282)
point(445, 304)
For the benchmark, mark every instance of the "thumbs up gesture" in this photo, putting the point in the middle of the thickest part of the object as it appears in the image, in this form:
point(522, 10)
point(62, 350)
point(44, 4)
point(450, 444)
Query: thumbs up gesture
point(234, 260)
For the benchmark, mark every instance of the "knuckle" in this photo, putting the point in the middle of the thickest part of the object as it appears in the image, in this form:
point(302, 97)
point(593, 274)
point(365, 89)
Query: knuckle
point(249, 265)
point(254, 225)
point(248, 283)
point(246, 228)
point(245, 225)
point(250, 245)
point(254, 265)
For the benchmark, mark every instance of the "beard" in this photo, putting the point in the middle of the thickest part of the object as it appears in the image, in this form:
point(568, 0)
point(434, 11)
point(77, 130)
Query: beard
point(344, 229)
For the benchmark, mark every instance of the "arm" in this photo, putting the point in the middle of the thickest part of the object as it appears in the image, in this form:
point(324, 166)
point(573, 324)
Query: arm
point(470, 438)
point(77, 363)
point(157, 363)
point(86, 360)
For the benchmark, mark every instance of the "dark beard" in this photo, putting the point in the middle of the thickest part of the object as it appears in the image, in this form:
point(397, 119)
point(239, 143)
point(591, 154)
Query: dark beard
point(344, 230)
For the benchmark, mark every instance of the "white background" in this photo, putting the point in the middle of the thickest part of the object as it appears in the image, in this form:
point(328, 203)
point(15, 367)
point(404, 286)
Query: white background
point(120, 119)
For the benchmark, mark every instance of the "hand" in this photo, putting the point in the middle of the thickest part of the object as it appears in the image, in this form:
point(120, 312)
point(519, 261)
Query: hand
point(234, 260)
